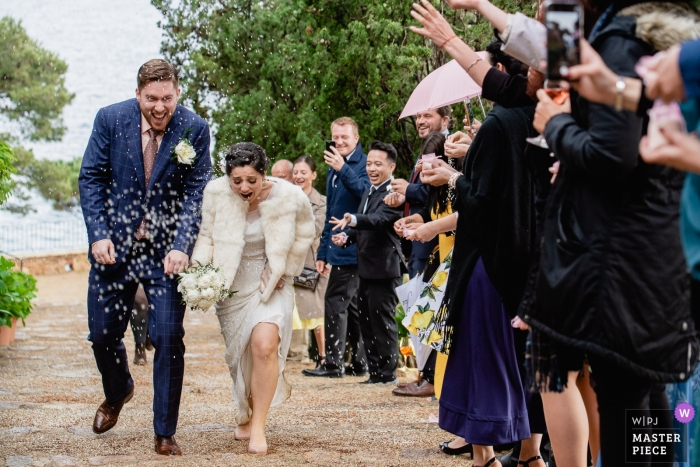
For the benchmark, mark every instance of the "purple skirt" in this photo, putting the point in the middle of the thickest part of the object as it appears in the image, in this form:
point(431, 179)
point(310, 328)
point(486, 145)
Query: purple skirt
point(482, 396)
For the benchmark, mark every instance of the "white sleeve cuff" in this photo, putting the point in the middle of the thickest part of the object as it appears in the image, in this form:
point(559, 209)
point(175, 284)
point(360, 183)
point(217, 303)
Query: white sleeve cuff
point(353, 220)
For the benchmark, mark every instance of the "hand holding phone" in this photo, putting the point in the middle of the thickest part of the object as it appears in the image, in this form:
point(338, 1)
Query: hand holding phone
point(564, 22)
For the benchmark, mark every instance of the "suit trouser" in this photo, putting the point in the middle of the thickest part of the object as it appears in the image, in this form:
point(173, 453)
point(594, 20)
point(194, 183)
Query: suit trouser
point(110, 301)
point(342, 318)
point(377, 299)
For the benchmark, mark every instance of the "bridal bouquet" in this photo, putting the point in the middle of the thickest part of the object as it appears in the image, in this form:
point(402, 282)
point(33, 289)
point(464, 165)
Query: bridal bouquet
point(202, 286)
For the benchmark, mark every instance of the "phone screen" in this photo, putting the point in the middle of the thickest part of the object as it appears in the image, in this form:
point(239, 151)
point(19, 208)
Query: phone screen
point(563, 21)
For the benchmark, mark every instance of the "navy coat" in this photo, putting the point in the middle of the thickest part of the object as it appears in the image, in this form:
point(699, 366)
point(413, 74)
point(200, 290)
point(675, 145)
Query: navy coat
point(113, 194)
point(343, 196)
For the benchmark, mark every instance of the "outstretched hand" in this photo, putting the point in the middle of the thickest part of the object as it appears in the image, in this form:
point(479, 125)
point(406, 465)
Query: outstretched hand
point(435, 26)
point(394, 200)
point(341, 223)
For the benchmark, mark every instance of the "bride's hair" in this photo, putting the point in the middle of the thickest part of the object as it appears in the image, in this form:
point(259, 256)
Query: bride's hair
point(246, 154)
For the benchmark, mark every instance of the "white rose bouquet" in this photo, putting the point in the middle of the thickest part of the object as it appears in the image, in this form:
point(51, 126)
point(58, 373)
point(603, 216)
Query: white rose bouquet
point(202, 286)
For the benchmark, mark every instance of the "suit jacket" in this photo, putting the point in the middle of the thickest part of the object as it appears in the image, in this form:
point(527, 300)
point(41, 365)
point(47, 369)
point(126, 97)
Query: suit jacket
point(113, 194)
point(343, 195)
point(378, 246)
point(287, 225)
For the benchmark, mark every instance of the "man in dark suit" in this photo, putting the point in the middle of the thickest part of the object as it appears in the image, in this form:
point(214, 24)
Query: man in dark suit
point(379, 264)
point(141, 185)
point(346, 181)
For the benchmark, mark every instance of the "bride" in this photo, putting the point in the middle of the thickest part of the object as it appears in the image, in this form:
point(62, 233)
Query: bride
point(257, 230)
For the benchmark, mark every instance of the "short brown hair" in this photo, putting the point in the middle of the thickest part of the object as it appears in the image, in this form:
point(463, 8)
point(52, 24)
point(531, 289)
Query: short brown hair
point(156, 69)
point(342, 121)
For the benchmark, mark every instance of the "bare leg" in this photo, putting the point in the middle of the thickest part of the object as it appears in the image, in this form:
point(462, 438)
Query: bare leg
point(530, 448)
point(567, 424)
point(320, 342)
point(483, 454)
point(591, 402)
point(263, 343)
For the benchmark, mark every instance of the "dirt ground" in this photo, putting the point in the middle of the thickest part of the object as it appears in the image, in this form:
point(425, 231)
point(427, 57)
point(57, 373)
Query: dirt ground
point(50, 388)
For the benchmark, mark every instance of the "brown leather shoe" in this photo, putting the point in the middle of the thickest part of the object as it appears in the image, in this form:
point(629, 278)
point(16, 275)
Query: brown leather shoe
point(140, 354)
point(415, 389)
point(167, 446)
point(108, 414)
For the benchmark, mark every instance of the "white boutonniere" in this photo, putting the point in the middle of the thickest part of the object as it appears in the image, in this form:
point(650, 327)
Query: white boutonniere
point(184, 152)
point(388, 187)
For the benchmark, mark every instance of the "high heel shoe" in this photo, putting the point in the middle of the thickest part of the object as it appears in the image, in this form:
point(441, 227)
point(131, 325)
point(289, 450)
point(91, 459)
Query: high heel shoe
point(532, 459)
point(493, 459)
point(466, 449)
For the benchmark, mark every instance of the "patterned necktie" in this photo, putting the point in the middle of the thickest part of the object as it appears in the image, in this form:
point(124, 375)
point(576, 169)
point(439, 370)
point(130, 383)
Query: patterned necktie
point(150, 153)
point(149, 158)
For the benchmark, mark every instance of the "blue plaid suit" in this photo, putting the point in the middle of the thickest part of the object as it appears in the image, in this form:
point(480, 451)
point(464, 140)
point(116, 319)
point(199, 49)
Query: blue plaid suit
point(114, 199)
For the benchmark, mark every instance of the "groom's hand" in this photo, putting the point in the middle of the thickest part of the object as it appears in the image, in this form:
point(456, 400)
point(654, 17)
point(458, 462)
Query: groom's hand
point(175, 262)
point(103, 251)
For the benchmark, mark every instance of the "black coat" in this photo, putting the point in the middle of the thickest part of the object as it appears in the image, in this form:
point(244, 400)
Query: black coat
point(612, 280)
point(495, 203)
point(378, 246)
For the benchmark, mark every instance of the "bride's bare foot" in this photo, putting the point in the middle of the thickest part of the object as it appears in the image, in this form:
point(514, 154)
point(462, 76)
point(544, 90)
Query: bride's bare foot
point(242, 432)
point(258, 443)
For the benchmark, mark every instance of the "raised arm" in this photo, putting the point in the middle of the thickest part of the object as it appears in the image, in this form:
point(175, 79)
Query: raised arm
point(355, 182)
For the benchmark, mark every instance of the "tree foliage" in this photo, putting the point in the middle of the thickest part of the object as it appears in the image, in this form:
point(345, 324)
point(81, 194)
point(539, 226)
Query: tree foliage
point(32, 87)
point(56, 181)
point(277, 72)
point(7, 168)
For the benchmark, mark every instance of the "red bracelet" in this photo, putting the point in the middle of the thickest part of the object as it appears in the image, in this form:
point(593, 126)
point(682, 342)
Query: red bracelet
point(448, 40)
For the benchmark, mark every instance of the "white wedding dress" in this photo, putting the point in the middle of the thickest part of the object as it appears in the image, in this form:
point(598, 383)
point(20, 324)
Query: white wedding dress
point(239, 314)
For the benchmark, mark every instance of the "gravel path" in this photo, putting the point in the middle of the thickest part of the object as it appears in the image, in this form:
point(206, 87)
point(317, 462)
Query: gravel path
point(50, 388)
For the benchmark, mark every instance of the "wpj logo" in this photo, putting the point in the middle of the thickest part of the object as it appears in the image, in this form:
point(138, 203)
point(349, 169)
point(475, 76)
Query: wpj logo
point(656, 435)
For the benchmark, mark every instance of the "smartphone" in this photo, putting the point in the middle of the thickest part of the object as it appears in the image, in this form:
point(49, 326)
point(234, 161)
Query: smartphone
point(564, 22)
point(330, 144)
point(470, 112)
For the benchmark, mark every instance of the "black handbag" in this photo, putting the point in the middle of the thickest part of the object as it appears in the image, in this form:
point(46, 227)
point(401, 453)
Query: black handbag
point(307, 279)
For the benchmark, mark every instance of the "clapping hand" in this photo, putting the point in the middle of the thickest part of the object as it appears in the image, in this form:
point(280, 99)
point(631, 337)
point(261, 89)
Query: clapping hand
point(341, 223)
point(438, 175)
point(339, 239)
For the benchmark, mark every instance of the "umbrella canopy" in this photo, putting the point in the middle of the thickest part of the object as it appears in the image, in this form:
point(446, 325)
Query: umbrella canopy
point(444, 86)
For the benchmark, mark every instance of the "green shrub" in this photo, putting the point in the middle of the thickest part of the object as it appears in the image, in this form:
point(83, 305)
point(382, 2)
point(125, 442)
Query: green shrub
point(16, 292)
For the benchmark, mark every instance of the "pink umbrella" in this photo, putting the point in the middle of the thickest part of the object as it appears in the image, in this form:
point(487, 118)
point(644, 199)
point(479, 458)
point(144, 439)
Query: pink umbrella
point(444, 86)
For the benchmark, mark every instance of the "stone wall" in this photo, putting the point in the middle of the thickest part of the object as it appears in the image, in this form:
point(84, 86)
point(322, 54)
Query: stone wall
point(57, 262)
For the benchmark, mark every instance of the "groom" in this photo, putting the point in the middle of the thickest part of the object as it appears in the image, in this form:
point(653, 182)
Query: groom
point(141, 184)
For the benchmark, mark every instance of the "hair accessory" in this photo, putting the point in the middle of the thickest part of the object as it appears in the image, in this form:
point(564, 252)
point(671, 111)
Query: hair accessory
point(447, 40)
